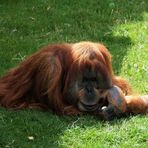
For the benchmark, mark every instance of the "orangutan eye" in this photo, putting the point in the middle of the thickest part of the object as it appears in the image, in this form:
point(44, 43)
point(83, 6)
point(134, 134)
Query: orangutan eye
point(90, 79)
point(94, 79)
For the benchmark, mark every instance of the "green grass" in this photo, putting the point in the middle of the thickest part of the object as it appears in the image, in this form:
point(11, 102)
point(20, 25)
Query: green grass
point(26, 25)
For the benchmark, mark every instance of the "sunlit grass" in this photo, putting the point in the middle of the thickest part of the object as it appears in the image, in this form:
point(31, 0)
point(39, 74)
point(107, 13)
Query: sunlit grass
point(122, 26)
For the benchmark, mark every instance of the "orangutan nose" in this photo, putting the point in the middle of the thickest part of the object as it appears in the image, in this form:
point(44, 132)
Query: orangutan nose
point(89, 90)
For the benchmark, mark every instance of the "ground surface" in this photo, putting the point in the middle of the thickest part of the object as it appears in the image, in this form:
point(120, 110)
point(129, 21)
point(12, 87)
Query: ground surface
point(26, 25)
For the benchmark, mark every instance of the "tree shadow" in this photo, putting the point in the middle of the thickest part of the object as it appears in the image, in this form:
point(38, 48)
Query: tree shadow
point(70, 21)
point(118, 50)
point(30, 128)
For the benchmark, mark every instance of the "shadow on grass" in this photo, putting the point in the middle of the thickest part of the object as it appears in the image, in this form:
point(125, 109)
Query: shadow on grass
point(29, 128)
point(42, 22)
point(34, 128)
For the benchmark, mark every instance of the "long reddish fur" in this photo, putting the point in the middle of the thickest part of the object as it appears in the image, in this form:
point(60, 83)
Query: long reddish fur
point(38, 80)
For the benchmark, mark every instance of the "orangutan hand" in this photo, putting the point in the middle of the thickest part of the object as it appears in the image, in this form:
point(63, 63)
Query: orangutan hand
point(116, 104)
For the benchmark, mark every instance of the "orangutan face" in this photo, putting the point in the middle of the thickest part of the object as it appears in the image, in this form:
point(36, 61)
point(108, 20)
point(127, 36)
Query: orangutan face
point(88, 92)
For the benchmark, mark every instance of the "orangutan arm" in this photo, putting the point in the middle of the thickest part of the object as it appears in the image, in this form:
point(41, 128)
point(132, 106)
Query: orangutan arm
point(120, 105)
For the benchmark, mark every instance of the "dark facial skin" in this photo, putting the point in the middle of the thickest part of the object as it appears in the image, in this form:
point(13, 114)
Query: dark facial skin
point(89, 91)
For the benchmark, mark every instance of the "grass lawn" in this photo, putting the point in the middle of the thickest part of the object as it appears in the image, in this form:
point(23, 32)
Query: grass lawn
point(26, 25)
